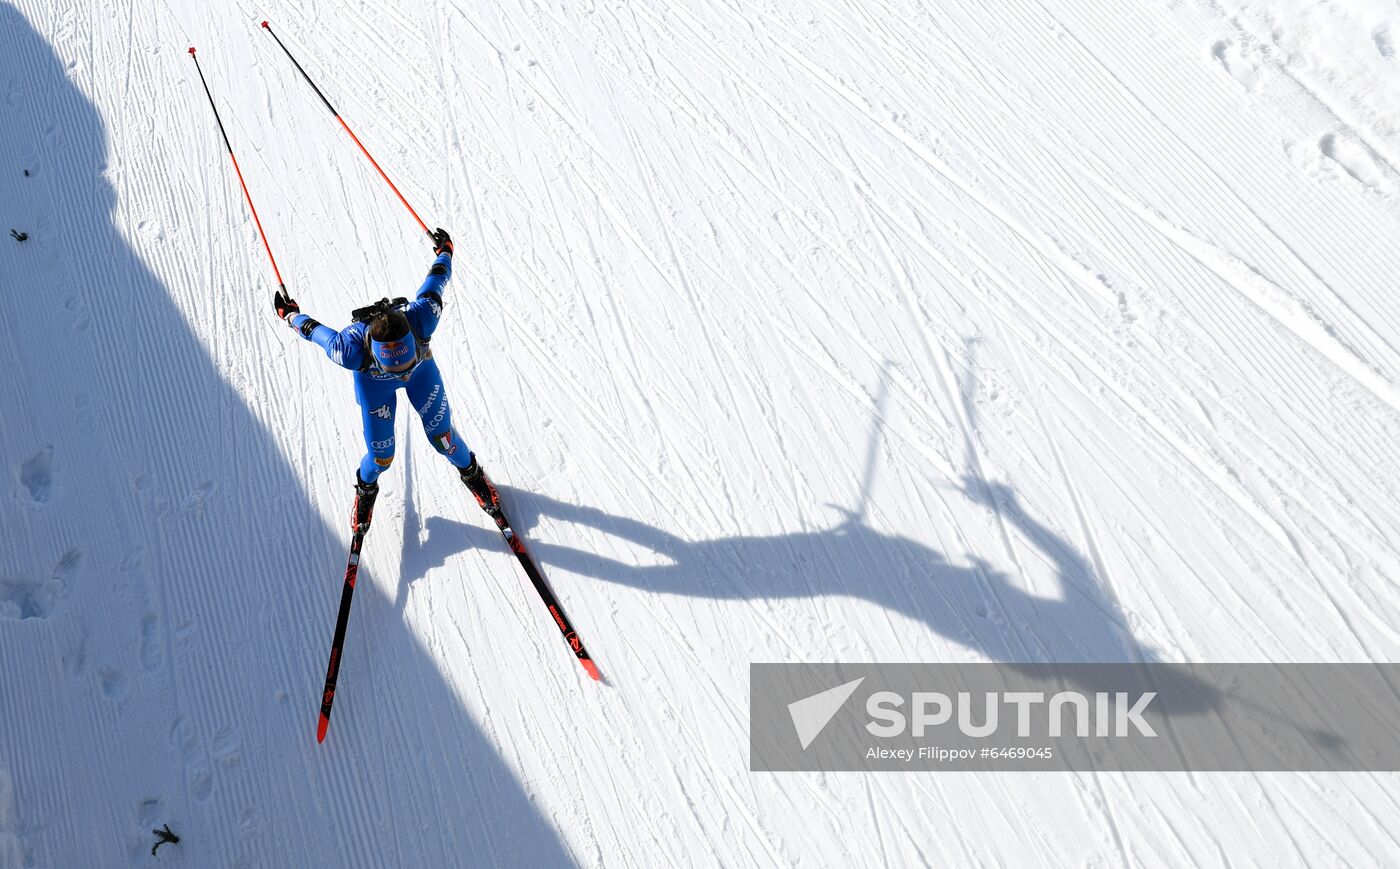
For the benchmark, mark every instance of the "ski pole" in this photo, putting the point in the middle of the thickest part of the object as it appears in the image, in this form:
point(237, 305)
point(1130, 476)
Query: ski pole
point(241, 183)
point(356, 139)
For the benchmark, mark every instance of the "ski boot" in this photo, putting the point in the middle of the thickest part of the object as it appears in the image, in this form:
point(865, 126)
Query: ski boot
point(365, 493)
point(475, 479)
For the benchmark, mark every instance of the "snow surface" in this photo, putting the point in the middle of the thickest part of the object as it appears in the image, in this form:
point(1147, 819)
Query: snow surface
point(800, 331)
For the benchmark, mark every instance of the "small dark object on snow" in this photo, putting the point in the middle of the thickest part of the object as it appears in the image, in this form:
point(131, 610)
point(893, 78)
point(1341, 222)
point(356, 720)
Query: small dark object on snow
point(18, 236)
point(26, 173)
point(164, 835)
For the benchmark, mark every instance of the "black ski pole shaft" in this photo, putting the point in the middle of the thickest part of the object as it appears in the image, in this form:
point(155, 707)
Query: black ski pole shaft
point(352, 570)
point(239, 172)
point(356, 139)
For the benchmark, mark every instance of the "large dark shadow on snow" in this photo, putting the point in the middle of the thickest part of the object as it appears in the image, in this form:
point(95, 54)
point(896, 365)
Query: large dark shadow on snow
point(972, 603)
point(208, 629)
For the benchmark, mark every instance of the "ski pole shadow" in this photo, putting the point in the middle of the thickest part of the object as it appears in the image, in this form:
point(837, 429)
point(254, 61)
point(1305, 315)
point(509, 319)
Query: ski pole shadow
point(182, 646)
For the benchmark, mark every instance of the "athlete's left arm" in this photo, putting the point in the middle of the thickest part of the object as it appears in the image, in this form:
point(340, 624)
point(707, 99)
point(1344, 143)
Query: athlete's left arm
point(425, 309)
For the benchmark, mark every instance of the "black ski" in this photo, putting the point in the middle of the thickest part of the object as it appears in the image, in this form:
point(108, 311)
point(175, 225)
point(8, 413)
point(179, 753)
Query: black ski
point(352, 569)
point(556, 611)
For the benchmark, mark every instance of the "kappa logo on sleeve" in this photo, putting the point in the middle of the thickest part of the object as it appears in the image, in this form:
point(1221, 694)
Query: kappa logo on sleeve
point(383, 411)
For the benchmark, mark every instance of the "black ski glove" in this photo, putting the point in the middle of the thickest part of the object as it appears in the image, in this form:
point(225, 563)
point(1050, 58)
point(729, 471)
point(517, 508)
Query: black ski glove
point(286, 306)
point(442, 242)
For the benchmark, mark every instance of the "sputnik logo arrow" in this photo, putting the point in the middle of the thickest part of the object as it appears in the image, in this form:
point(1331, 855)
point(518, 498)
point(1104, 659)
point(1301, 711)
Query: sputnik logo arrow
point(811, 715)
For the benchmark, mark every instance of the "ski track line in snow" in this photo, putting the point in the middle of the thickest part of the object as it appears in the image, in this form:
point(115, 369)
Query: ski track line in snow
point(1156, 119)
point(1270, 298)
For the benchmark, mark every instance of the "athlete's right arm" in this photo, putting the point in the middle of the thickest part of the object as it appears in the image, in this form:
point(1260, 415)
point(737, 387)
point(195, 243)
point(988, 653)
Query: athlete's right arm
point(345, 348)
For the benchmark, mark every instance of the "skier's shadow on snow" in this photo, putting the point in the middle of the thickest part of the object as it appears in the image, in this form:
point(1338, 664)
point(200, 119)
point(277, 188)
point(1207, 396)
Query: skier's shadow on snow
point(1076, 622)
point(217, 554)
point(972, 604)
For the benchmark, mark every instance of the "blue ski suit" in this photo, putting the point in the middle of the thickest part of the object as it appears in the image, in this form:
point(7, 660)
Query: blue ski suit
point(377, 390)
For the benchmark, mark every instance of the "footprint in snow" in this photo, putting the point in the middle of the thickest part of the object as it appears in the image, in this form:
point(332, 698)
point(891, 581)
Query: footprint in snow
point(31, 597)
point(199, 775)
point(113, 681)
point(197, 498)
point(1384, 38)
point(1238, 61)
point(78, 317)
point(151, 648)
point(1355, 159)
point(75, 659)
point(150, 814)
point(36, 480)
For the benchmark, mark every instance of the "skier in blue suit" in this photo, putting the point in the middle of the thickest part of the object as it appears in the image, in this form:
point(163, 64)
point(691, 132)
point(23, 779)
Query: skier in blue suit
point(389, 350)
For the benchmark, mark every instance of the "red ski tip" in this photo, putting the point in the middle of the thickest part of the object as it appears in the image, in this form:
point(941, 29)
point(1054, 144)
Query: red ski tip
point(322, 727)
point(592, 669)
